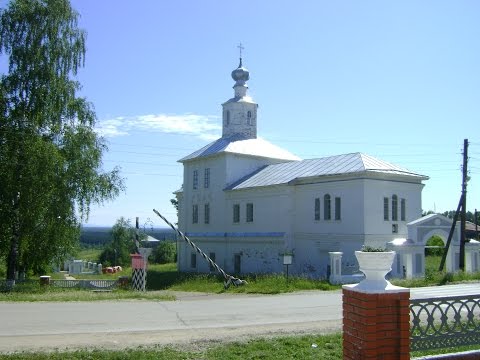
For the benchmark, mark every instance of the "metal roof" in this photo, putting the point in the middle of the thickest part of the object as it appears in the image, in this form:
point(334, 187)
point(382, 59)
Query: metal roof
point(334, 165)
point(238, 144)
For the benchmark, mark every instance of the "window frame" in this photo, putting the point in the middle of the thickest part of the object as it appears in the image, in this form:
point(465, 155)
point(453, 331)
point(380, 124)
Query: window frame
point(338, 208)
point(236, 213)
point(394, 207)
point(195, 179)
point(249, 213)
point(206, 178)
point(206, 213)
point(193, 260)
point(327, 207)
point(403, 209)
point(316, 210)
point(195, 214)
point(237, 263)
point(386, 208)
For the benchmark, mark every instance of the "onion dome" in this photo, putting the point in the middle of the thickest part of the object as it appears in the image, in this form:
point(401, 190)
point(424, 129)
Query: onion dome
point(240, 74)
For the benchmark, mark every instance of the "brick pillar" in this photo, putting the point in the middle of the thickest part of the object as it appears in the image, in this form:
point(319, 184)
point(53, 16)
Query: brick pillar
point(376, 325)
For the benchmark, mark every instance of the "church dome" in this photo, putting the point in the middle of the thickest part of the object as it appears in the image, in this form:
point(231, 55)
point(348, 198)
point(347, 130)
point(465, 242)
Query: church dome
point(240, 73)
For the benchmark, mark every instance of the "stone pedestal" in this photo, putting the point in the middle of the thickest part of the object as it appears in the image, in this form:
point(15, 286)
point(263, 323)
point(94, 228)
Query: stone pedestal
point(376, 325)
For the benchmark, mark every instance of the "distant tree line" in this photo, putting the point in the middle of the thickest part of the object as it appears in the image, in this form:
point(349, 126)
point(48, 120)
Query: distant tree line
point(470, 216)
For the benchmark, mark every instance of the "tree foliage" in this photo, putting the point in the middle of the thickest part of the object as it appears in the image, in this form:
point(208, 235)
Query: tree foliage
point(118, 251)
point(165, 252)
point(435, 240)
point(50, 156)
point(470, 216)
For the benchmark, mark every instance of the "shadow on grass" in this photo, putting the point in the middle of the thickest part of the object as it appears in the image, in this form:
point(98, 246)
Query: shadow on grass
point(164, 280)
point(257, 283)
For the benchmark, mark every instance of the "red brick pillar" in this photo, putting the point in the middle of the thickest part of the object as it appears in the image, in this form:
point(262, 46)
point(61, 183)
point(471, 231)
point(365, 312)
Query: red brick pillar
point(376, 325)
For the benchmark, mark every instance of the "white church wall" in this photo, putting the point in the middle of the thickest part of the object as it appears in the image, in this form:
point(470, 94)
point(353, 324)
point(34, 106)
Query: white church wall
point(212, 195)
point(382, 231)
point(351, 195)
point(252, 254)
point(271, 209)
point(311, 253)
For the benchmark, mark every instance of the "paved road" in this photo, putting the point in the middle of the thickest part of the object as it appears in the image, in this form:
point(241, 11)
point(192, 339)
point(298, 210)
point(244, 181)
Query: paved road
point(447, 290)
point(115, 324)
point(122, 323)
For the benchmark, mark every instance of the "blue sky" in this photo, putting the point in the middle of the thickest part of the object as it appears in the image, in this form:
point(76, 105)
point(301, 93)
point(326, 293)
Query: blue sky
point(396, 80)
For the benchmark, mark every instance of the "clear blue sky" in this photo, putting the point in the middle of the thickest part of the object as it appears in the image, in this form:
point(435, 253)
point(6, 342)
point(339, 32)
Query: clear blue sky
point(396, 80)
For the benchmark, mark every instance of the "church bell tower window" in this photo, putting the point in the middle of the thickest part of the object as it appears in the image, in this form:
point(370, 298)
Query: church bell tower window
point(249, 117)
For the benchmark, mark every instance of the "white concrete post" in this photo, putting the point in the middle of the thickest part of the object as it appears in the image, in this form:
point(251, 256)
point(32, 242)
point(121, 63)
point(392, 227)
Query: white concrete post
point(335, 267)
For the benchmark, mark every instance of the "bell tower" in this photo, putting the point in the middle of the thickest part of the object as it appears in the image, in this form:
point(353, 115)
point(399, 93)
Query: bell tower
point(240, 112)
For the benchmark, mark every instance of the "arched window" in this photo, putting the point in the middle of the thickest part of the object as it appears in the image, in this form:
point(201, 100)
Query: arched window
point(227, 117)
point(394, 208)
point(327, 214)
point(249, 117)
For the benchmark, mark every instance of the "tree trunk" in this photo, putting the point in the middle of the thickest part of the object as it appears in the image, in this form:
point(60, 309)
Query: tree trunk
point(12, 259)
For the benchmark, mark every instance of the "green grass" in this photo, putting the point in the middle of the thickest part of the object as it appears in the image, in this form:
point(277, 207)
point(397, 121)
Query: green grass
point(89, 254)
point(166, 277)
point(32, 291)
point(325, 347)
point(435, 277)
point(328, 347)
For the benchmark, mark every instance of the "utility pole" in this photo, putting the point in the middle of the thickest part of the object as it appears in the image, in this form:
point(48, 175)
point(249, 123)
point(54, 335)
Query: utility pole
point(450, 235)
point(462, 212)
point(137, 229)
point(463, 215)
point(476, 224)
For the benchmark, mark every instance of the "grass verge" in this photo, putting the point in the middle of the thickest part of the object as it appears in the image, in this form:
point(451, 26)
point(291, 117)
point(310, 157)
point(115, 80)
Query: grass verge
point(32, 291)
point(325, 347)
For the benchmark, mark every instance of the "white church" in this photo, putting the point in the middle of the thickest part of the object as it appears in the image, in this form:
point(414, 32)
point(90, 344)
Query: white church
point(246, 202)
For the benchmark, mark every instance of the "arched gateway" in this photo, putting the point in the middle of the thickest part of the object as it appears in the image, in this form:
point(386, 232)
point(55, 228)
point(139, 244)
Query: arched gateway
point(410, 259)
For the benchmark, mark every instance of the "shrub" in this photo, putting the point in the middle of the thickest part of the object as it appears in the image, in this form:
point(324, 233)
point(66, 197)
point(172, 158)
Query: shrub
point(435, 240)
point(165, 252)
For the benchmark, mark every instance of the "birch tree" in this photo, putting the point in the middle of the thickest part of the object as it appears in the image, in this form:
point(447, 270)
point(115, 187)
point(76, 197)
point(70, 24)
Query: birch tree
point(50, 156)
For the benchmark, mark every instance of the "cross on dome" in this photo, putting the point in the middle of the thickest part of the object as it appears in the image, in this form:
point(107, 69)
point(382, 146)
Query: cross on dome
point(240, 74)
point(240, 48)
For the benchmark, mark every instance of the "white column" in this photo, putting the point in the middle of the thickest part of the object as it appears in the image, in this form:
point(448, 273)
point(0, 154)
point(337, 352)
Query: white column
point(335, 267)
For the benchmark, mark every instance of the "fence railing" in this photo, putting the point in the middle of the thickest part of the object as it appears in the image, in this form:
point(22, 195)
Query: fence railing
point(86, 284)
point(443, 322)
